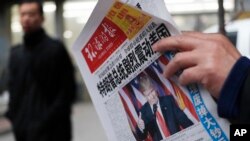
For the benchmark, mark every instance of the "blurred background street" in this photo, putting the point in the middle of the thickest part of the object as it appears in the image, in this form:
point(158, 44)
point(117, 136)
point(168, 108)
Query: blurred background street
point(86, 125)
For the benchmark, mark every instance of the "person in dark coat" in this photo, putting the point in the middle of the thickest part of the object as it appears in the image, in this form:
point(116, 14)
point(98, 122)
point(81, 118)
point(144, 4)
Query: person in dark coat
point(41, 82)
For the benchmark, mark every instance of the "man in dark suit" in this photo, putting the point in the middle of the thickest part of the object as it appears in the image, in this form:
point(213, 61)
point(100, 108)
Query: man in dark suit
point(159, 116)
point(41, 82)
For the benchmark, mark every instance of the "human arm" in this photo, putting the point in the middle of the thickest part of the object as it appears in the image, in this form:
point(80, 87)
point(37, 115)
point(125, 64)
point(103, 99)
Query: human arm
point(204, 58)
point(233, 102)
point(60, 89)
point(211, 60)
point(244, 110)
point(11, 83)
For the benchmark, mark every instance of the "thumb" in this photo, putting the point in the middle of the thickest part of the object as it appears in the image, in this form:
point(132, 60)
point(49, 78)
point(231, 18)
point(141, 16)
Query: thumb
point(139, 115)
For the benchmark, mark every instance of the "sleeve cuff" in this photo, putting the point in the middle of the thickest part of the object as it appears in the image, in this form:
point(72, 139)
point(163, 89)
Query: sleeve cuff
point(228, 106)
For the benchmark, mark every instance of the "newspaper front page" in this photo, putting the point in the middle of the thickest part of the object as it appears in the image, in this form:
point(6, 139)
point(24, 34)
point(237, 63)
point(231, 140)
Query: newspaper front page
point(124, 77)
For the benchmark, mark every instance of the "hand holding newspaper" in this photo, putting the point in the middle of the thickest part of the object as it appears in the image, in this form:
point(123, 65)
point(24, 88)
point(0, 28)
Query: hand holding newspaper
point(124, 77)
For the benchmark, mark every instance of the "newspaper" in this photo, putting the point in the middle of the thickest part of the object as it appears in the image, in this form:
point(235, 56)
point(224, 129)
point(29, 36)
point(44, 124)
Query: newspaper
point(124, 77)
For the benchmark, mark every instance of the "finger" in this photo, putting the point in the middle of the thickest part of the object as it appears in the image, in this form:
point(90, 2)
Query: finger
point(139, 115)
point(181, 60)
point(200, 35)
point(208, 37)
point(224, 42)
point(190, 75)
point(195, 34)
point(215, 37)
point(177, 43)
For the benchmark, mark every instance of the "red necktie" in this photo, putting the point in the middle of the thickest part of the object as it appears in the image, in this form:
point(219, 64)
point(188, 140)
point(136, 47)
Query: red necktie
point(162, 122)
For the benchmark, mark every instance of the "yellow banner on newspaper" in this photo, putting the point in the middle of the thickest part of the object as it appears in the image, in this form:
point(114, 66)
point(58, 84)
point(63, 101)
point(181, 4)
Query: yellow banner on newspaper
point(130, 20)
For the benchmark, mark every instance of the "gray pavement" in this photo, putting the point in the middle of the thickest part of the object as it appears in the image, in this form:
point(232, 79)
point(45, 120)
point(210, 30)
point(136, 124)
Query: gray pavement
point(86, 125)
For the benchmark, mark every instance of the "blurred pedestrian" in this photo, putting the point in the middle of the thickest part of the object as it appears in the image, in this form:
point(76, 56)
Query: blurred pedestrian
point(3, 79)
point(41, 82)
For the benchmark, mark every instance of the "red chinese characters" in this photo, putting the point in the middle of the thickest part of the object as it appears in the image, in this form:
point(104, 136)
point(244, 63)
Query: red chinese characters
point(105, 40)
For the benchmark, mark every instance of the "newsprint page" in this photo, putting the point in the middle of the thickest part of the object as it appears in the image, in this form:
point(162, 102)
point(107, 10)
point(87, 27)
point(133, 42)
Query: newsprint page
point(124, 77)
